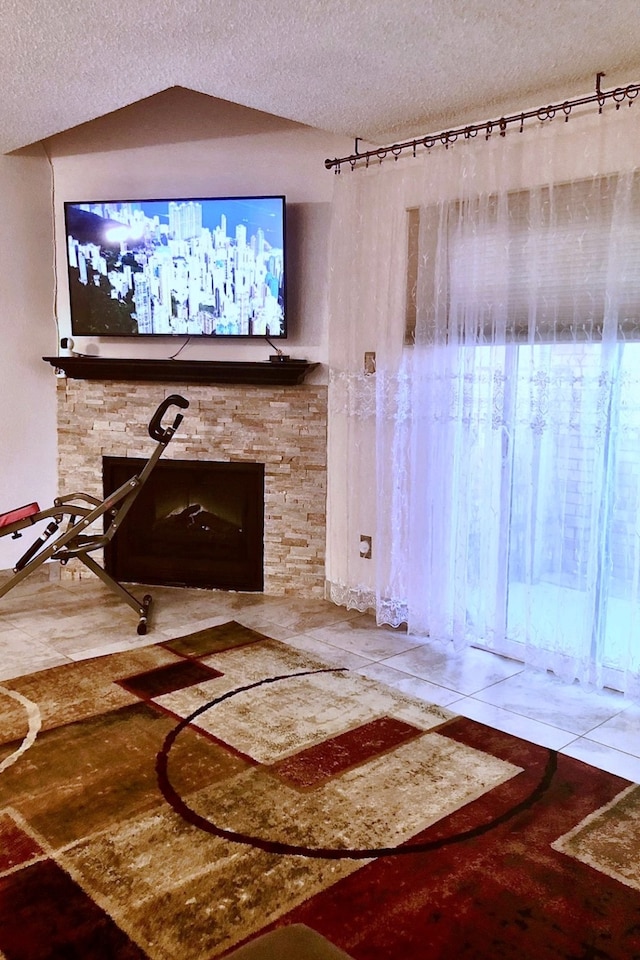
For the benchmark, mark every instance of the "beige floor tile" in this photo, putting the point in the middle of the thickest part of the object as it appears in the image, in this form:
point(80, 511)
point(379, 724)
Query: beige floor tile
point(361, 635)
point(21, 654)
point(303, 616)
point(549, 700)
point(513, 723)
point(466, 673)
point(621, 732)
point(412, 686)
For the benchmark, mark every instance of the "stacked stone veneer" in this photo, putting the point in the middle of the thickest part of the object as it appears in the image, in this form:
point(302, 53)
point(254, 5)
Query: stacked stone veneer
point(282, 427)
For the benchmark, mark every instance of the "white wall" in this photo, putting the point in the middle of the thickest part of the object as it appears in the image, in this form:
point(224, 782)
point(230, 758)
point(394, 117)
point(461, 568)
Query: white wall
point(181, 143)
point(27, 385)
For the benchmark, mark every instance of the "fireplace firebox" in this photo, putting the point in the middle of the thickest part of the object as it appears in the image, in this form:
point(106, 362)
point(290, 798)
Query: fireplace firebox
point(195, 523)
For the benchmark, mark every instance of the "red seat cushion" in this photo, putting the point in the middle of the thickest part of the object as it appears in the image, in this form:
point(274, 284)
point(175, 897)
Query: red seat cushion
point(20, 513)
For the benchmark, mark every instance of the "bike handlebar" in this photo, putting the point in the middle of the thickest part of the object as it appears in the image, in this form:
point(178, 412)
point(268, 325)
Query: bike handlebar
point(156, 430)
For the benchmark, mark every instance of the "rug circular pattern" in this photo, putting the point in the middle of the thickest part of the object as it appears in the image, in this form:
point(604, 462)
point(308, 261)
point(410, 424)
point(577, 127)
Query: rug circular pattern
point(181, 807)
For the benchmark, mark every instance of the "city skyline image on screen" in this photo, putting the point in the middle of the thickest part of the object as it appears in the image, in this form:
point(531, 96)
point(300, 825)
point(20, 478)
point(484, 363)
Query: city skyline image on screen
point(211, 267)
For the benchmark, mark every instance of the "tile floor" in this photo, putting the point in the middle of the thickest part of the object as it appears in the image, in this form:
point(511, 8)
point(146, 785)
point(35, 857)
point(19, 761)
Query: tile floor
point(47, 621)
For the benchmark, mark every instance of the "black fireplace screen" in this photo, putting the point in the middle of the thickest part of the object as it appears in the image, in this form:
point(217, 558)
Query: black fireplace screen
point(195, 523)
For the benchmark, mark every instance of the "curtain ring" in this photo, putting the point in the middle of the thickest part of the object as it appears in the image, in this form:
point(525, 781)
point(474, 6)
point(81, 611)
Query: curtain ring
point(566, 107)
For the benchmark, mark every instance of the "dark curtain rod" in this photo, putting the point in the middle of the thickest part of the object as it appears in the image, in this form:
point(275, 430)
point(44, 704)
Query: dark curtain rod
point(447, 137)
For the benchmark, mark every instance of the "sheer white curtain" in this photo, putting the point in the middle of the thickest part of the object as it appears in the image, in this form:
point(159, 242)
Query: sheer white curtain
point(495, 459)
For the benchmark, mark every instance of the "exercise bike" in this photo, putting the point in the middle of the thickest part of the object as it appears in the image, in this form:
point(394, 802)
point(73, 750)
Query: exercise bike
point(76, 512)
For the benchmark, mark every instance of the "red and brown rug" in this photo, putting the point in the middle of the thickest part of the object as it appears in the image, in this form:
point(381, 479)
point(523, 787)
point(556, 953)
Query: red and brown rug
point(174, 801)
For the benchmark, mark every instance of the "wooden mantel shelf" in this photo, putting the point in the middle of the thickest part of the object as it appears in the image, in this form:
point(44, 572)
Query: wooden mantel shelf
point(259, 373)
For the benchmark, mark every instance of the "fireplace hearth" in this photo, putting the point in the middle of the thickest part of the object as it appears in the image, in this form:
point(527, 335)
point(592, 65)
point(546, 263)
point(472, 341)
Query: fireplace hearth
point(195, 524)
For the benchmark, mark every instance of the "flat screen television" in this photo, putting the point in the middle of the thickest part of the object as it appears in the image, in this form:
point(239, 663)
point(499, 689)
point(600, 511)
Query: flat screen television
point(194, 267)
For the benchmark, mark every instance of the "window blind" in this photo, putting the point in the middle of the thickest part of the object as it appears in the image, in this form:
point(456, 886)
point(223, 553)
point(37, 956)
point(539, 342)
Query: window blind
point(551, 263)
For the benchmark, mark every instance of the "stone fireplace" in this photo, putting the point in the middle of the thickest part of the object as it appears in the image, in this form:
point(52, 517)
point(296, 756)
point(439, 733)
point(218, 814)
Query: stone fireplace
point(282, 429)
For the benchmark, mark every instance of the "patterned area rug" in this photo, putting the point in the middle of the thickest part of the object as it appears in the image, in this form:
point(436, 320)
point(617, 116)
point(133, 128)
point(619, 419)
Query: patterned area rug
point(177, 800)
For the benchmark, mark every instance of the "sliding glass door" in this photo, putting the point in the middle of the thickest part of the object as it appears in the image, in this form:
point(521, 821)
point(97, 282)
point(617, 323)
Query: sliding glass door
point(550, 498)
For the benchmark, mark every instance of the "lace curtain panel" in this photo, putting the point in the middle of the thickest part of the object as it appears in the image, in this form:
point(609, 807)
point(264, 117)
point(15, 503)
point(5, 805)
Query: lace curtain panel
point(494, 456)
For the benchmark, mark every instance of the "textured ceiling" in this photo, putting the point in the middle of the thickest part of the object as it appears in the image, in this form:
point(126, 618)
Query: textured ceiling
point(364, 68)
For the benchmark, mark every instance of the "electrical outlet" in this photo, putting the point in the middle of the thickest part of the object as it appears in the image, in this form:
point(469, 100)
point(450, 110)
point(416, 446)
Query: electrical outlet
point(369, 362)
point(365, 547)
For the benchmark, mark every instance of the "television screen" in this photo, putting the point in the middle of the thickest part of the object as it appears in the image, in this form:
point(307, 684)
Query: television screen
point(178, 267)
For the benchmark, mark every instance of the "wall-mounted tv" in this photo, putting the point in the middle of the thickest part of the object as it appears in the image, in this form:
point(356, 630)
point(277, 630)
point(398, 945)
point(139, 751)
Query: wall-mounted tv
point(194, 267)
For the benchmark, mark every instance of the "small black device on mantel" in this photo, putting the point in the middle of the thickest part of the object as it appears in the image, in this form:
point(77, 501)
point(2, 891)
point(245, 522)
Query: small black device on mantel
point(197, 267)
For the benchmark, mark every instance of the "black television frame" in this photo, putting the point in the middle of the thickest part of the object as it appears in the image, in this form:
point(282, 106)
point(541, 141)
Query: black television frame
point(81, 327)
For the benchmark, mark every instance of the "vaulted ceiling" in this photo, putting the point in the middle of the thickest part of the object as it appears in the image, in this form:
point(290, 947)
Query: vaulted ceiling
point(364, 68)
